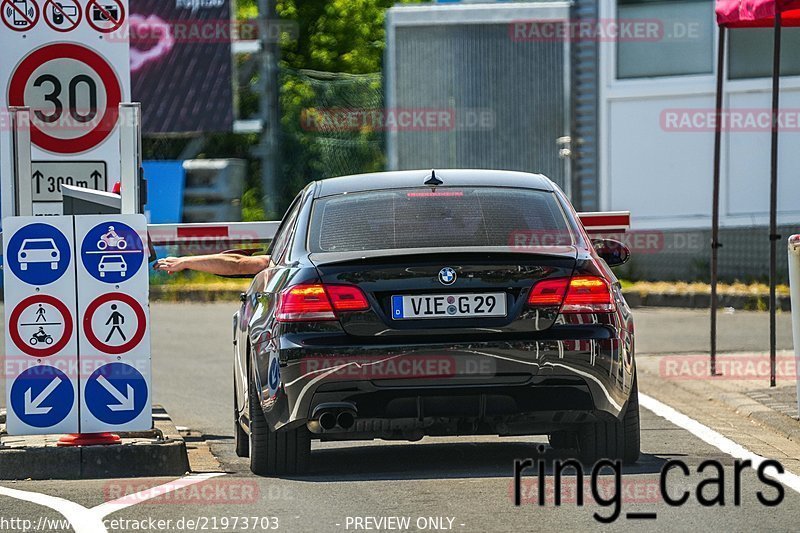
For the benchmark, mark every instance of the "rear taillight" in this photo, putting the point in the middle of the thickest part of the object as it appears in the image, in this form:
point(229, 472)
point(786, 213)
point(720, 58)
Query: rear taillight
point(308, 303)
point(584, 294)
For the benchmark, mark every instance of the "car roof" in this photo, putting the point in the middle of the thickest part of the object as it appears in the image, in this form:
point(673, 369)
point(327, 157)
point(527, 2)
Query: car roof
point(416, 178)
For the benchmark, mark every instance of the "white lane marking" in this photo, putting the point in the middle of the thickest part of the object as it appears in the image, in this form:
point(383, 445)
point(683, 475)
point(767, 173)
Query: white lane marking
point(85, 520)
point(80, 518)
point(715, 439)
point(130, 500)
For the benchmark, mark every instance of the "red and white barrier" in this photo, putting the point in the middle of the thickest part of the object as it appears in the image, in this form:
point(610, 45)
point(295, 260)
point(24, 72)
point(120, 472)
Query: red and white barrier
point(606, 221)
point(227, 233)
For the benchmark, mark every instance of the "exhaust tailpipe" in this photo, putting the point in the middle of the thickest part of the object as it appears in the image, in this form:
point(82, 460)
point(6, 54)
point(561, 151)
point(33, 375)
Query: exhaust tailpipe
point(346, 419)
point(327, 420)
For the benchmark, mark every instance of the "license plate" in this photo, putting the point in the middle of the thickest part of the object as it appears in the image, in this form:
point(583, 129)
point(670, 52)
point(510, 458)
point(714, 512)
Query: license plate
point(449, 306)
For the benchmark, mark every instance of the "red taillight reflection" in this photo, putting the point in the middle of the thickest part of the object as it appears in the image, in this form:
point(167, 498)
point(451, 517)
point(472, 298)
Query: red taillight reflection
point(318, 302)
point(584, 294)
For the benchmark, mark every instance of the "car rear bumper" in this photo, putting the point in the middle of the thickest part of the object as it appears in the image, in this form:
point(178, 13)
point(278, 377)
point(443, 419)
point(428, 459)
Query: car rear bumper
point(507, 387)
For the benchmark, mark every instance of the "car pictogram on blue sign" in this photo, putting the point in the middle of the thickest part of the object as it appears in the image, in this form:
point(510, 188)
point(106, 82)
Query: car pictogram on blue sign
point(38, 254)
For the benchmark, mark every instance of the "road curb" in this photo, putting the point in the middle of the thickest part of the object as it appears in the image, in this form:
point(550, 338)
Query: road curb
point(159, 452)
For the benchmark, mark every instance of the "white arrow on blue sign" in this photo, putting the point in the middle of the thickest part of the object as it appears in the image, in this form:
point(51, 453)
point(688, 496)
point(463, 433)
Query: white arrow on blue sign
point(42, 396)
point(116, 394)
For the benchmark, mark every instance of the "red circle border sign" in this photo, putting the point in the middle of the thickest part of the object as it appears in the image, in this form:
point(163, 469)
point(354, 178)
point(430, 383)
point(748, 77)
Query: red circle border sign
point(75, 22)
point(136, 338)
point(13, 321)
point(117, 24)
point(31, 22)
point(106, 124)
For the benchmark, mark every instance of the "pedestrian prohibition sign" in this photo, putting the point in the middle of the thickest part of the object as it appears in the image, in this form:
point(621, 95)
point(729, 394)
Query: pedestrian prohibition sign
point(40, 325)
point(114, 323)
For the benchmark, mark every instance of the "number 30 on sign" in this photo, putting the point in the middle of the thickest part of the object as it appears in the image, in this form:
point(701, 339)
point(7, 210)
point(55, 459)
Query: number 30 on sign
point(74, 94)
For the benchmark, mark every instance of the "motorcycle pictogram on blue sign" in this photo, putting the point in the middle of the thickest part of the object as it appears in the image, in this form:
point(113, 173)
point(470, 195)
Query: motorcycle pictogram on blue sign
point(112, 252)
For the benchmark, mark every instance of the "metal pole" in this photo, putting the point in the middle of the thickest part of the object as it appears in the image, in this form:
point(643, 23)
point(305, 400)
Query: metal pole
point(270, 109)
point(715, 244)
point(773, 193)
point(130, 149)
point(22, 179)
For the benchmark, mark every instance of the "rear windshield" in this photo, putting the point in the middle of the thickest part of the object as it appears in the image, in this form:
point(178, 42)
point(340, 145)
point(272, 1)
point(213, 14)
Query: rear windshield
point(420, 218)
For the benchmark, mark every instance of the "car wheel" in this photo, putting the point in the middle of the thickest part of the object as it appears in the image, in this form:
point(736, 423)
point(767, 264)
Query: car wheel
point(617, 439)
point(275, 452)
point(53, 266)
point(23, 266)
point(240, 437)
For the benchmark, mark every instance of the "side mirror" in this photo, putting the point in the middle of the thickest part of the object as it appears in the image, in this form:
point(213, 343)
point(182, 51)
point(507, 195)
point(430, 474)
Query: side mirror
point(614, 253)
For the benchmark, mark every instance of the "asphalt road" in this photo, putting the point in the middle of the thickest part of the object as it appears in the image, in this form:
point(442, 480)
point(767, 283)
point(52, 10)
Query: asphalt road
point(438, 484)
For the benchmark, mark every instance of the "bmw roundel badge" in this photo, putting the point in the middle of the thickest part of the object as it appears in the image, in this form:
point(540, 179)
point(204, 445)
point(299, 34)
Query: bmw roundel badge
point(447, 276)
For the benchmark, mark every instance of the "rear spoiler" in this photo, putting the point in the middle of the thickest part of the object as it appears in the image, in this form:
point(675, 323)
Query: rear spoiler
point(606, 221)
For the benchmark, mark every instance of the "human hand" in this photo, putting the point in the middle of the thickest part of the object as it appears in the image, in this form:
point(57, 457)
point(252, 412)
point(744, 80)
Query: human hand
point(170, 265)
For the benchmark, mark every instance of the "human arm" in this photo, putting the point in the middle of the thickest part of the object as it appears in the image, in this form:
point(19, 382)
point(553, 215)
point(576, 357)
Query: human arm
point(220, 264)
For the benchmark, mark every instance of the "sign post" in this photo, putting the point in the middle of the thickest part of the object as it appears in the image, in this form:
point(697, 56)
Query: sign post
point(113, 289)
point(41, 358)
point(69, 62)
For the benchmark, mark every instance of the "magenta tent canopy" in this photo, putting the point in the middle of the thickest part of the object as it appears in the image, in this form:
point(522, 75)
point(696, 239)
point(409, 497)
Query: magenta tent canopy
point(757, 13)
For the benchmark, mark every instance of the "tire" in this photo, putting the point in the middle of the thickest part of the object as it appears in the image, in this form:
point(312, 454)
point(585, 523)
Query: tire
point(275, 452)
point(617, 439)
point(240, 438)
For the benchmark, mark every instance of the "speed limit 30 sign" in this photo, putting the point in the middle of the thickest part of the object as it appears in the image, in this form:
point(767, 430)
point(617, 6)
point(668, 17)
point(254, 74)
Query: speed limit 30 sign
point(69, 62)
point(74, 94)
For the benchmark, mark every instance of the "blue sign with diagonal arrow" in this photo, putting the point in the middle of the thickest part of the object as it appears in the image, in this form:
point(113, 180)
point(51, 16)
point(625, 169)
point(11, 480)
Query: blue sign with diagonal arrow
point(116, 393)
point(42, 396)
